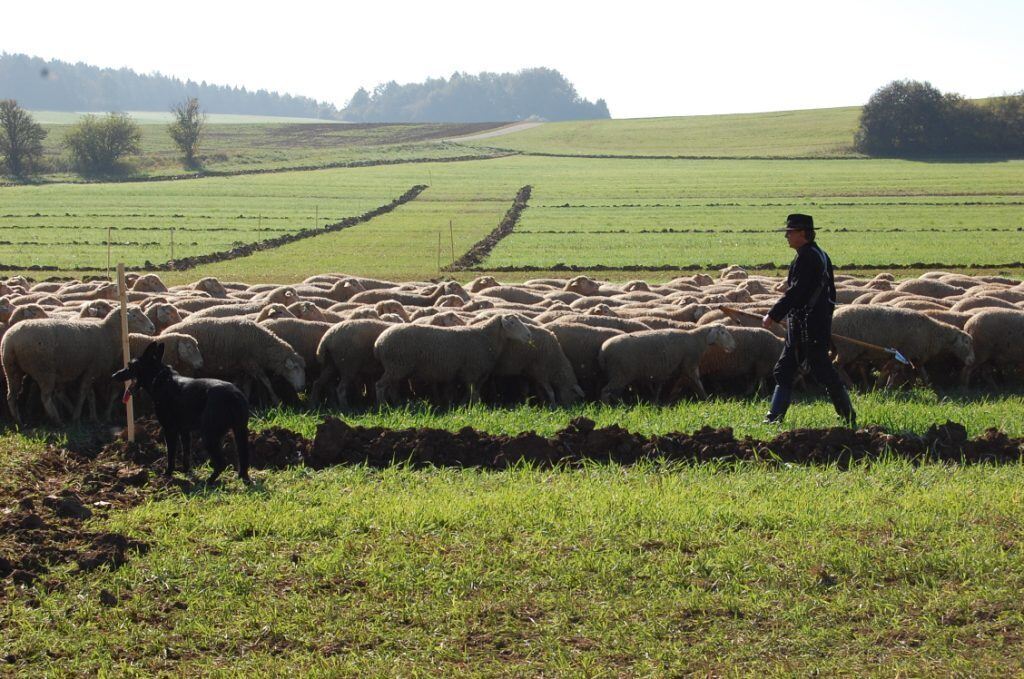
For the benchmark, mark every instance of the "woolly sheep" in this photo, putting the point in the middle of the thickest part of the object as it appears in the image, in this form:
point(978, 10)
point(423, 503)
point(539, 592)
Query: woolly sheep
point(98, 308)
point(55, 352)
point(181, 352)
point(997, 335)
point(234, 347)
point(345, 355)
point(914, 334)
point(581, 345)
point(26, 313)
point(303, 337)
point(543, 363)
point(478, 284)
point(981, 302)
point(951, 317)
point(274, 311)
point(749, 364)
point(653, 357)
point(443, 355)
point(511, 293)
point(149, 282)
point(929, 288)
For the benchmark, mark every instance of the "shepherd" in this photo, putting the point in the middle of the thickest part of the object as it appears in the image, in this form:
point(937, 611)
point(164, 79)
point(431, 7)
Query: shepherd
point(808, 304)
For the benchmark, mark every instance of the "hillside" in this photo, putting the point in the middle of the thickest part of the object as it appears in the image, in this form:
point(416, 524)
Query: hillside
point(814, 133)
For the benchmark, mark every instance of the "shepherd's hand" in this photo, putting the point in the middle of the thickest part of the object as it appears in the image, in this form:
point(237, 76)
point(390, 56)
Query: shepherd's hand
point(766, 322)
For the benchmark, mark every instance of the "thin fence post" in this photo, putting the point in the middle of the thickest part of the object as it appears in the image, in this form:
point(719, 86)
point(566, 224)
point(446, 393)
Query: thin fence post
point(108, 250)
point(122, 293)
point(172, 243)
point(451, 232)
point(438, 252)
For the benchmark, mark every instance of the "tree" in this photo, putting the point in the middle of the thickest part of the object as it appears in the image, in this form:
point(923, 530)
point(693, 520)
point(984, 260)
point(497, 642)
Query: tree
point(98, 145)
point(905, 117)
point(21, 139)
point(188, 128)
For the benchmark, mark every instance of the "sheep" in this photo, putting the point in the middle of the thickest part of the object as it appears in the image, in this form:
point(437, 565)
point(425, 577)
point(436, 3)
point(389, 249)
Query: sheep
point(996, 334)
point(441, 355)
point(478, 284)
point(303, 336)
point(96, 309)
point(544, 364)
point(445, 319)
point(274, 311)
point(511, 293)
point(914, 334)
point(919, 304)
point(581, 345)
point(345, 354)
point(148, 283)
point(624, 324)
point(26, 313)
point(6, 309)
point(181, 352)
point(981, 302)
point(950, 317)
point(929, 288)
point(750, 363)
point(234, 346)
point(655, 356)
point(411, 299)
point(57, 351)
point(392, 307)
point(210, 286)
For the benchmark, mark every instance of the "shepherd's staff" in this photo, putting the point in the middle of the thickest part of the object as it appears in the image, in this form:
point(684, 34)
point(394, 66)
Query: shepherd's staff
point(733, 312)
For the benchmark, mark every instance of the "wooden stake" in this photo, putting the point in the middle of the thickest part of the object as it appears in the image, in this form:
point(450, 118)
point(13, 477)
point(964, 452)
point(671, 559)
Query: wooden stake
point(438, 252)
point(172, 244)
point(451, 233)
point(122, 293)
point(108, 250)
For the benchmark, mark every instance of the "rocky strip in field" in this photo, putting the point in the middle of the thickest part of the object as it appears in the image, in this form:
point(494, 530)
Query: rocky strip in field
point(482, 249)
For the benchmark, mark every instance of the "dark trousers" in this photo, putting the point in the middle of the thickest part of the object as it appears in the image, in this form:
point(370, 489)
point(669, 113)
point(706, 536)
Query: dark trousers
point(815, 354)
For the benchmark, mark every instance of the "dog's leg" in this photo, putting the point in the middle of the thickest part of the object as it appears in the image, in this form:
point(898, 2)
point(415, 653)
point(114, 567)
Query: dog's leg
point(212, 442)
point(171, 439)
point(186, 451)
point(242, 446)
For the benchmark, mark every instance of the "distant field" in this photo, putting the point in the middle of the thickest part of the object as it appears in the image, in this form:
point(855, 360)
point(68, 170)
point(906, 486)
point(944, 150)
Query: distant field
point(780, 134)
point(268, 145)
point(583, 211)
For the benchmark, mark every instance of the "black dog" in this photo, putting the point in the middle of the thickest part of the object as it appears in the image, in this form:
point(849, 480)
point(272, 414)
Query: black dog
point(184, 405)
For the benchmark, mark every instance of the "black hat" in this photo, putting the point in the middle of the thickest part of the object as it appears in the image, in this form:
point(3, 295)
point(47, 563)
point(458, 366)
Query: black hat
point(799, 222)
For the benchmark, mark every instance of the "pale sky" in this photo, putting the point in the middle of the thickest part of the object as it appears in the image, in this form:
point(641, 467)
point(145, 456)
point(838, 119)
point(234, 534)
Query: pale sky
point(644, 58)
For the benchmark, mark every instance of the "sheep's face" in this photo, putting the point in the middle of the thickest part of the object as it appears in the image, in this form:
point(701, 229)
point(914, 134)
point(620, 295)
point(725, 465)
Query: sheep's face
point(189, 356)
point(212, 286)
point(6, 309)
point(720, 336)
point(635, 286)
point(97, 309)
point(583, 285)
point(167, 315)
point(138, 322)
point(515, 329)
point(294, 370)
point(482, 283)
point(306, 311)
point(449, 301)
point(963, 348)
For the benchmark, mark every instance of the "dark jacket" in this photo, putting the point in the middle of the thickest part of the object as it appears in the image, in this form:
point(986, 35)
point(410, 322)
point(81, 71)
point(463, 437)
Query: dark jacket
point(810, 297)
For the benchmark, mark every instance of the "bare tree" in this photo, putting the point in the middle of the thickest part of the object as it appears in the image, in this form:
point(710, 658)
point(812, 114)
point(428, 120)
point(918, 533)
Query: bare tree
point(21, 139)
point(187, 128)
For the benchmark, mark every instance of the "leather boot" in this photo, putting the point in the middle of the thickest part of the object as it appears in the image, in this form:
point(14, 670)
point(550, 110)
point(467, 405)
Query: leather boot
point(779, 406)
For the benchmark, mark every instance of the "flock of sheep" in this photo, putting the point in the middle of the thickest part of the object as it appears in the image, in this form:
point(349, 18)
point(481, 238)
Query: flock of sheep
point(358, 340)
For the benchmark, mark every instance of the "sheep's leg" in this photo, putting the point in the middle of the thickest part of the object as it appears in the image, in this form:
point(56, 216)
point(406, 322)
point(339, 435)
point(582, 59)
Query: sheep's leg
point(328, 374)
point(261, 378)
point(84, 387)
point(694, 377)
point(46, 392)
point(14, 382)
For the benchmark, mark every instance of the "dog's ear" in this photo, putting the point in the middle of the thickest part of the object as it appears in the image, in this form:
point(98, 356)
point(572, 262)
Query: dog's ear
point(154, 352)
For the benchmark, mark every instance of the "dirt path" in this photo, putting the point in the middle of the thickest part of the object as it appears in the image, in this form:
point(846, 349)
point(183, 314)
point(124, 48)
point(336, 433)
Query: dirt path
point(508, 129)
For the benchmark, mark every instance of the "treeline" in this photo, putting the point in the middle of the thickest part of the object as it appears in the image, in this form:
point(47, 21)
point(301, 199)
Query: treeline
point(911, 118)
point(541, 93)
point(60, 86)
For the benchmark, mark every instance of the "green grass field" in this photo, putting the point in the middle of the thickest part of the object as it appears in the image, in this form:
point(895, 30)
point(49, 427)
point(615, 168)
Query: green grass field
point(585, 212)
point(779, 134)
point(717, 569)
point(242, 144)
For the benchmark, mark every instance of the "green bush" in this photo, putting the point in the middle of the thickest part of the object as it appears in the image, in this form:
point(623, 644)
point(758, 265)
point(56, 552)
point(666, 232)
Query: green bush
point(98, 146)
